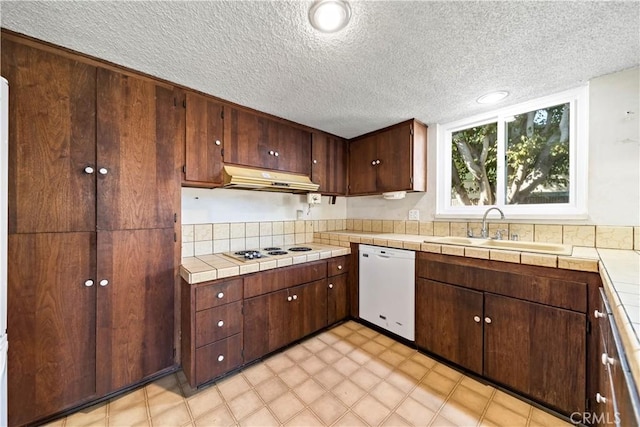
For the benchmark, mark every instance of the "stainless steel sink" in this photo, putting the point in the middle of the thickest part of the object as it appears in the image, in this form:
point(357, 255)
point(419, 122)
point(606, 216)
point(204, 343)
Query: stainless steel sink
point(509, 245)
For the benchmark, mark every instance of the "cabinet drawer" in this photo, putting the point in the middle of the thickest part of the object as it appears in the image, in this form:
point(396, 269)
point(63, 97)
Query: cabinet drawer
point(337, 265)
point(282, 278)
point(215, 359)
point(217, 323)
point(218, 294)
point(533, 284)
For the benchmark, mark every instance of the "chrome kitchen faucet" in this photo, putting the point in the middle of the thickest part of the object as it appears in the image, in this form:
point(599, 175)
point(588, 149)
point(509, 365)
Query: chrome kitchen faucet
point(484, 233)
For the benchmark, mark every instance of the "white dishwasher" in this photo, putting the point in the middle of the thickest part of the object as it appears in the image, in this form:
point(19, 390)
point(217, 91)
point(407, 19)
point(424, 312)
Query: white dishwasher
point(386, 293)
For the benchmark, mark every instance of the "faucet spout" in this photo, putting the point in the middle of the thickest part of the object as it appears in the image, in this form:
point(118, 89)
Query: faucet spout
point(485, 230)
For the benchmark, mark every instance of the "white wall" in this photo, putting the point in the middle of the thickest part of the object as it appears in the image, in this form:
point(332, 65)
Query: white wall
point(614, 160)
point(614, 151)
point(200, 206)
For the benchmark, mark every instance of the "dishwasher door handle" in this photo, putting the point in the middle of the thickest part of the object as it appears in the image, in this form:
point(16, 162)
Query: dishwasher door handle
point(384, 256)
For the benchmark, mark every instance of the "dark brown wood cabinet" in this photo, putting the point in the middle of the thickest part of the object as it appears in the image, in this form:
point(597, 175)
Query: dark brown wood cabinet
point(51, 323)
point(338, 289)
point(212, 329)
point(256, 140)
point(524, 339)
point(449, 322)
point(616, 395)
point(390, 159)
point(94, 187)
point(265, 327)
point(522, 327)
point(329, 163)
point(204, 141)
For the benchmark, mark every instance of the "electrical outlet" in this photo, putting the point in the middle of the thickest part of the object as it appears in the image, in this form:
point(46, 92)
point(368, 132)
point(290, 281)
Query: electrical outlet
point(414, 215)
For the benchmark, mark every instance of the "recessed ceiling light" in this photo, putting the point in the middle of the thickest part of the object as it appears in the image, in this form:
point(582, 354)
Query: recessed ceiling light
point(493, 97)
point(329, 16)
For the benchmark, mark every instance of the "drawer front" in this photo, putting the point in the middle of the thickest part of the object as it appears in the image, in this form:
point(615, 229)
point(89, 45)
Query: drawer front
point(283, 278)
point(215, 359)
point(544, 290)
point(337, 265)
point(217, 323)
point(219, 293)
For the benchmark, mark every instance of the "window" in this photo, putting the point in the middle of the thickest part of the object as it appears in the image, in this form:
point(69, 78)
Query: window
point(529, 159)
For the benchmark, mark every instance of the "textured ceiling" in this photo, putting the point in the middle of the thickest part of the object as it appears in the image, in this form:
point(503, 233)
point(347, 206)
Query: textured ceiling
point(394, 61)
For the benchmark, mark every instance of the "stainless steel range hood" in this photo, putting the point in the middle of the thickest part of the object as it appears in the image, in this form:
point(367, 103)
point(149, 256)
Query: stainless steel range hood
point(267, 180)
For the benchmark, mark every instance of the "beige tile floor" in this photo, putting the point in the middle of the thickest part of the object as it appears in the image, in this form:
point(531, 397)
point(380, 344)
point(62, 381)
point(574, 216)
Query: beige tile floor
point(347, 376)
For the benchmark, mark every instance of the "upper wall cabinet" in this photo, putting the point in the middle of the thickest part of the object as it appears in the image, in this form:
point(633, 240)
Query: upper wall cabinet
point(390, 159)
point(256, 140)
point(203, 142)
point(329, 164)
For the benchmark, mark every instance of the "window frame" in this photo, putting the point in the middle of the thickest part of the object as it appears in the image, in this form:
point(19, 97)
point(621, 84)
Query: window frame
point(576, 208)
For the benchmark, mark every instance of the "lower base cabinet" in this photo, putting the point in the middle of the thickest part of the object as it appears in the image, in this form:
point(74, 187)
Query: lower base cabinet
point(618, 401)
point(513, 326)
point(231, 322)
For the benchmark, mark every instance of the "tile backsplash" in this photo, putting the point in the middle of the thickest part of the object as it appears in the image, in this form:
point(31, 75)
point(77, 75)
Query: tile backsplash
point(205, 239)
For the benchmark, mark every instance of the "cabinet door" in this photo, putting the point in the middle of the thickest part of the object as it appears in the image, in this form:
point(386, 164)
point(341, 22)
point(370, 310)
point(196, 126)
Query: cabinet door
point(394, 152)
point(362, 167)
point(138, 127)
point(246, 137)
point(265, 324)
point(337, 298)
point(51, 141)
point(204, 140)
point(448, 322)
point(329, 164)
point(135, 308)
point(308, 309)
point(51, 323)
point(536, 349)
point(293, 146)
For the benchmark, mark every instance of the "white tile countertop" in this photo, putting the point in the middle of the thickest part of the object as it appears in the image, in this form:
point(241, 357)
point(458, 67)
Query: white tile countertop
point(203, 268)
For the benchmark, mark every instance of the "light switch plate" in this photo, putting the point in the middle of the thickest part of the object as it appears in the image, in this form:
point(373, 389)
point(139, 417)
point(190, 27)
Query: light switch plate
point(414, 215)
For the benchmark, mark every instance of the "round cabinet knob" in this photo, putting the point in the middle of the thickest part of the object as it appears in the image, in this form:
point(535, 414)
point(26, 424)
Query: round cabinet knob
point(88, 283)
point(315, 162)
point(103, 171)
point(606, 360)
point(88, 170)
point(271, 152)
point(220, 295)
point(276, 154)
point(295, 297)
point(289, 298)
point(487, 320)
point(218, 142)
point(104, 282)
point(598, 315)
point(377, 162)
point(476, 319)
point(339, 267)
point(600, 398)
point(220, 324)
point(373, 162)
point(330, 285)
point(220, 358)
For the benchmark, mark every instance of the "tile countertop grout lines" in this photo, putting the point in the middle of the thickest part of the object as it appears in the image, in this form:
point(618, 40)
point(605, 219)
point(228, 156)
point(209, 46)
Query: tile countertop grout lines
point(617, 268)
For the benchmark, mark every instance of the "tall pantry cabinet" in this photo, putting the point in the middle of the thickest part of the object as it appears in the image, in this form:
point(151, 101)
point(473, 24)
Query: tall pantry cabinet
point(93, 193)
